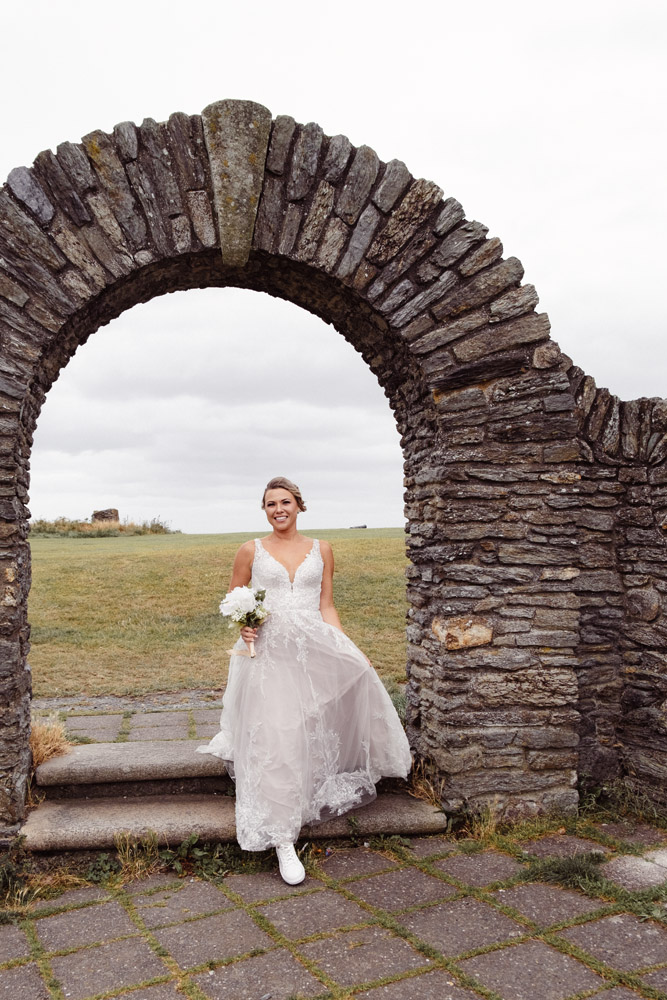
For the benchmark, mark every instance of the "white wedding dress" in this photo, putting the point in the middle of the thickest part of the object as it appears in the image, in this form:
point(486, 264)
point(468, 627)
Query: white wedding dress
point(307, 727)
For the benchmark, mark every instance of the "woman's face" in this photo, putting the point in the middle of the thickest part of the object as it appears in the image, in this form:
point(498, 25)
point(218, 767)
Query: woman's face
point(280, 508)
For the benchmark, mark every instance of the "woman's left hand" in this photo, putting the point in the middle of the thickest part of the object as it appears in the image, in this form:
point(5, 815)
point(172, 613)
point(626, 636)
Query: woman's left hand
point(248, 635)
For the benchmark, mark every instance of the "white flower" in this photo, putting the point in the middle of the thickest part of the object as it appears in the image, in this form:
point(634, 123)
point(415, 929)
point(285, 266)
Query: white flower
point(239, 600)
point(243, 606)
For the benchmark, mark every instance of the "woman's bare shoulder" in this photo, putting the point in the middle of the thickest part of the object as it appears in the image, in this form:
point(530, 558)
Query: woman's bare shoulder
point(325, 547)
point(246, 550)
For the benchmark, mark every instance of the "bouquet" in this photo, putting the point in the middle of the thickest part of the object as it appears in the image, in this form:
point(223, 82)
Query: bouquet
point(243, 606)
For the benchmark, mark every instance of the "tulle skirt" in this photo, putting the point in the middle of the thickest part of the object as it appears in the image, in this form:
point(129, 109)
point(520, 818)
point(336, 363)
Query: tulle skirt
point(307, 729)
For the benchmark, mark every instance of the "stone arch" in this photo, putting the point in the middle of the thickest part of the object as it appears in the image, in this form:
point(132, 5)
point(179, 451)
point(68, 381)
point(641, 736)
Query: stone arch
point(506, 483)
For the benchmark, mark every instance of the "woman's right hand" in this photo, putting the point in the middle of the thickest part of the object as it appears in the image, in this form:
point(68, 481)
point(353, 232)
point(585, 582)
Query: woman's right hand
point(248, 635)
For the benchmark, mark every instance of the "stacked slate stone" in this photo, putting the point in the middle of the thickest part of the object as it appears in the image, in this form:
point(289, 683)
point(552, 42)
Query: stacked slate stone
point(624, 627)
point(79, 232)
point(535, 502)
point(492, 639)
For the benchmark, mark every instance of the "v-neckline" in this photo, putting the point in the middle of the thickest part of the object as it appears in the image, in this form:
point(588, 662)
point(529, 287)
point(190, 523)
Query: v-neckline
point(290, 578)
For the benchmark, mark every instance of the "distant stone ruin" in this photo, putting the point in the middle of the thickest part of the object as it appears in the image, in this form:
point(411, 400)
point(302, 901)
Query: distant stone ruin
point(536, 503)
point(110, 514)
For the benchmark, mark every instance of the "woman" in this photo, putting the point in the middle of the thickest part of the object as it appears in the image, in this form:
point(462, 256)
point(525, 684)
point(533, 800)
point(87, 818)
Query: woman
point(307, 728)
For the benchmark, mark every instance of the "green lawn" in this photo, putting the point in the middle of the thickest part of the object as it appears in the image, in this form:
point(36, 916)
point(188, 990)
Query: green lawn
point(128, 615)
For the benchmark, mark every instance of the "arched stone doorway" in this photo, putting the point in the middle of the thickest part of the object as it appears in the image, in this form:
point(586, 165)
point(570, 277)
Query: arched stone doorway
point(511, 456)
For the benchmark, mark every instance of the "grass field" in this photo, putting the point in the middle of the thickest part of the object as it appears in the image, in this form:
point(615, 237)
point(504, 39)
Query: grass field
point(129, 615)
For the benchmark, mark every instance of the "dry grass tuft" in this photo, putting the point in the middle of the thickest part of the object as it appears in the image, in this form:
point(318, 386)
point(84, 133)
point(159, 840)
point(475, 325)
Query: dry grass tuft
point(48, 738)
point(47, 885)
point(138, 857)
point(484, 821)
point(425, 785)
point(19, 899)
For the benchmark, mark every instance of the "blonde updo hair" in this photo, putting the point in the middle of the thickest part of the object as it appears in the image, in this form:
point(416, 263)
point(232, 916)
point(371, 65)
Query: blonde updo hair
point(282, 483)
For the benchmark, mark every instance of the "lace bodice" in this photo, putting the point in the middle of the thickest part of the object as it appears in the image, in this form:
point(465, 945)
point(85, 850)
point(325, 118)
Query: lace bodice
point(282, 594)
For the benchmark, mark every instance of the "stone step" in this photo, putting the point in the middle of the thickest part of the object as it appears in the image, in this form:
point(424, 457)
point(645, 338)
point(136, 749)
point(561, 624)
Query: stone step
point(74, 824)
point(139, 768)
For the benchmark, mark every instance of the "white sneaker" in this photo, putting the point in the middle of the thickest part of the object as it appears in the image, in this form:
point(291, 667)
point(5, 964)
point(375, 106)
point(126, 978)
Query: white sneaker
point(291, 869)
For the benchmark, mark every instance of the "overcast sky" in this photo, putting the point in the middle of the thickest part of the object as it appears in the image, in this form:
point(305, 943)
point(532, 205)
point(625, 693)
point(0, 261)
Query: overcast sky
point(546, 121)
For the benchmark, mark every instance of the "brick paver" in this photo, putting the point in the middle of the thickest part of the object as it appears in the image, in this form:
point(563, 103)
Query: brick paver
point(656, 979)
point(399, 890)
point(87, 925)
point(159, 880)
point(634, 873)
point(108, 967)
point(461, 926)
point(206, 715)
point(212, 939)
point(154, 733)
point(634, 833)
point(101, 729)
point(622, 941)
point(424, 847)
point(145, 720)
point(13, 944)
point(546, 904)
point(163, 991)
point(658, 857)
point(171, 905)
point(351, 862)
point(618, 993)
point(435, 985)
point(74, 897)
point(479, 869)
point(276, 975)
point(267, 885)
point(531, 970)
point(206, 731)
point(313, 914)
point(362, 956)
point(22, 983)
point(561, 846)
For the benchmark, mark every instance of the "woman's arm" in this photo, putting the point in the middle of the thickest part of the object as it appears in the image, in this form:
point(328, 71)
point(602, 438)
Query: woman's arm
point(241, 574)
point(242, 569)
point(327, 609)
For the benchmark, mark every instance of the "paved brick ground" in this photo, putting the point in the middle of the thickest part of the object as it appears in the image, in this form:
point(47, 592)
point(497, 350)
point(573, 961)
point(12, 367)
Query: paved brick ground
point(441, 921)
point(131, 725)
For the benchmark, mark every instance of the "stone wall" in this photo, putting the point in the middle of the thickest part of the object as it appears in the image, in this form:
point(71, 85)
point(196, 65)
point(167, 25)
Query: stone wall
point(534, 501)
point(623, 672)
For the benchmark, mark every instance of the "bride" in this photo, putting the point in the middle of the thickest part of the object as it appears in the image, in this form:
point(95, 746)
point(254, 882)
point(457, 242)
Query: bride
point(307, 728)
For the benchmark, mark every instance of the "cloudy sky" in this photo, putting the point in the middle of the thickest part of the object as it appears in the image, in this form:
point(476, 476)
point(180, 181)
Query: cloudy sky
point(545, 120)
